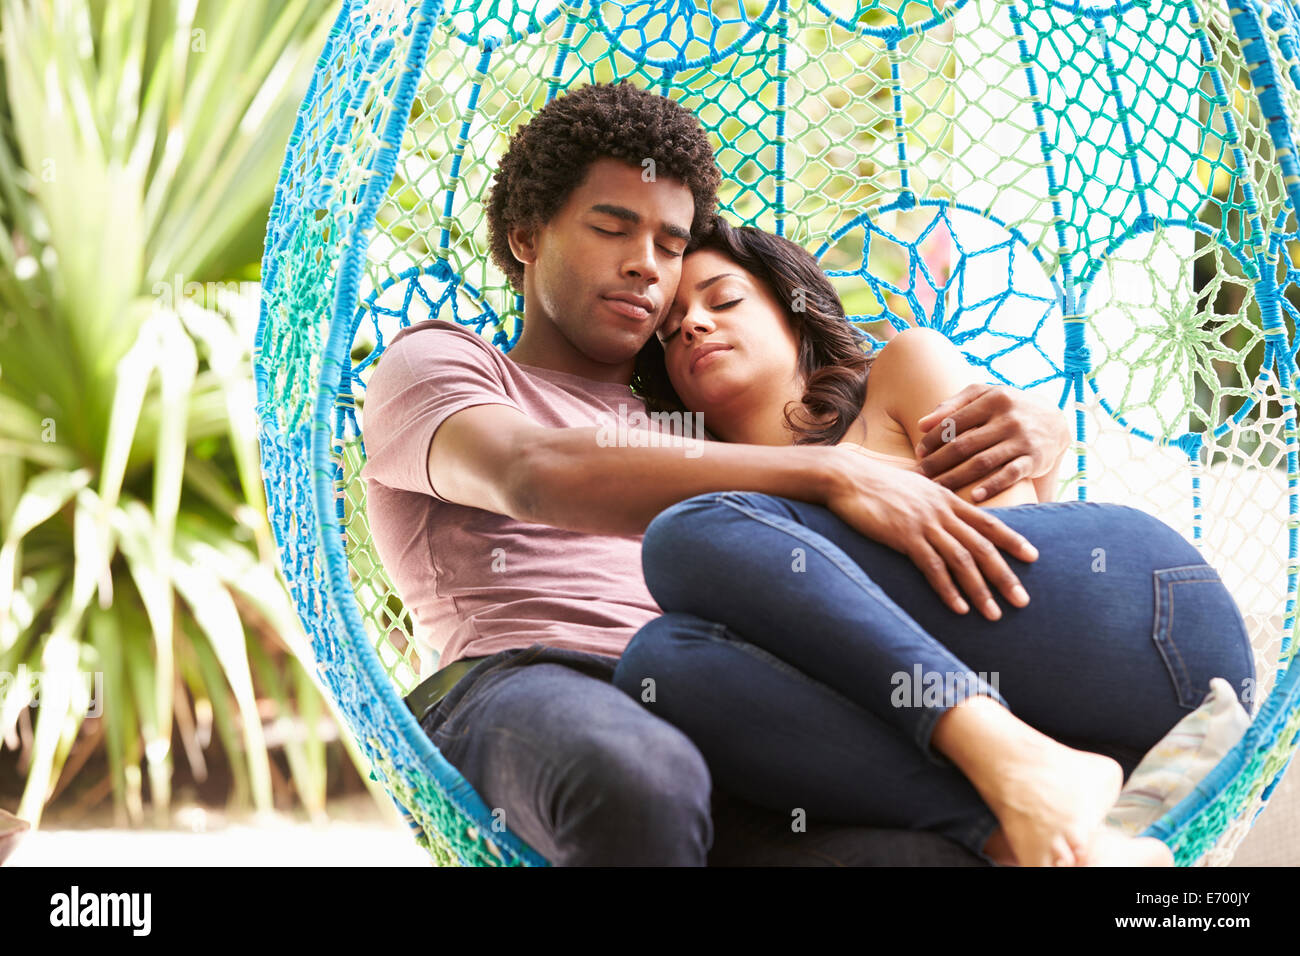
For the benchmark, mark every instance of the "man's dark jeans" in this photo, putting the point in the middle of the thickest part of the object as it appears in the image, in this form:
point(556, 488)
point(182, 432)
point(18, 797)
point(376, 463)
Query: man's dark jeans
point(588, 776)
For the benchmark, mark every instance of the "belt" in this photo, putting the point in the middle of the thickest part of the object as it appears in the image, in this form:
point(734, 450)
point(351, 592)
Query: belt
point(437, 686)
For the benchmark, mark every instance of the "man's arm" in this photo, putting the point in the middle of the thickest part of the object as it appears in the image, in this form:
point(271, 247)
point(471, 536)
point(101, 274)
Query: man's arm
point(496, 458)
point(917, 368)
point(994, 435)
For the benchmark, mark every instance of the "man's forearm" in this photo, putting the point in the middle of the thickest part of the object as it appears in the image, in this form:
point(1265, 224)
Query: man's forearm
point(567, 480)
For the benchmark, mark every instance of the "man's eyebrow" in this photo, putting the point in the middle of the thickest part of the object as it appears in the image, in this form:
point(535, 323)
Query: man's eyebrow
point(630, 215)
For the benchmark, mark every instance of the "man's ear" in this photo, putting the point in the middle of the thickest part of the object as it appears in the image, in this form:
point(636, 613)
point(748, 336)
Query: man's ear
point(523, 243)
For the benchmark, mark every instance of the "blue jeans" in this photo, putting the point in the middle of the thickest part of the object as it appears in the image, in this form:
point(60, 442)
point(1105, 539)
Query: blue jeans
point(850, 656)
point(587, 776)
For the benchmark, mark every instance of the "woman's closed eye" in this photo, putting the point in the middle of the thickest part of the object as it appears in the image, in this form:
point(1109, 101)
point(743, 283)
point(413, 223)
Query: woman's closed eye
point(665, 338)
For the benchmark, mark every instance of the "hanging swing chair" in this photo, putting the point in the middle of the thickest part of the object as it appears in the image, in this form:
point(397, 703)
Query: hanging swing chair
point(1095, 203)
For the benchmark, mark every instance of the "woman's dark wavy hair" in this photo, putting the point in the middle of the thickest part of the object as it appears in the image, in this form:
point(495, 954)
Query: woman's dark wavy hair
point(832, 358)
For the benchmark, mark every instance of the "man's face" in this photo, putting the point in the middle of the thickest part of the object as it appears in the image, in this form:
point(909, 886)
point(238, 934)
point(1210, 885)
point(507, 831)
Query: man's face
point(617, 241)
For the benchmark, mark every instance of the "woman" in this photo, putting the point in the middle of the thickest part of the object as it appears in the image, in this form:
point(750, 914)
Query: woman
point(870, 700)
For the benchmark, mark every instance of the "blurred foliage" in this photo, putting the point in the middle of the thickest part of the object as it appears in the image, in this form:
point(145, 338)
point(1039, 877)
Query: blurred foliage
point(140, 142)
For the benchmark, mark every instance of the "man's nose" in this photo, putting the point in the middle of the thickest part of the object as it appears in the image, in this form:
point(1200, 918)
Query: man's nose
point(642, 262)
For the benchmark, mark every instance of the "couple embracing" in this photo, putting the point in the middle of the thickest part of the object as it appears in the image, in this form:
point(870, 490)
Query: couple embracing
point(655, 657)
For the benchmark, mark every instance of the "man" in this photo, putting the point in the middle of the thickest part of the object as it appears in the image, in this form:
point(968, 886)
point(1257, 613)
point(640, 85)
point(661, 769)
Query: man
point(512, 531)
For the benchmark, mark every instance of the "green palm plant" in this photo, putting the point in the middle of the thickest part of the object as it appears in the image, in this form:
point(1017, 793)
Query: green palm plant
point(140, 142)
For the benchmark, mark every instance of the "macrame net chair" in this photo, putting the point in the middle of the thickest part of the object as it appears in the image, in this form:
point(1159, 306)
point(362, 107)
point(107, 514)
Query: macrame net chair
point(1096, 203)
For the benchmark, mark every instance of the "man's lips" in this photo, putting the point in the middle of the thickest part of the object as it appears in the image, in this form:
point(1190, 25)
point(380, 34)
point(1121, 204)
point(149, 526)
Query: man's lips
point(634, 307)
point(707, 350)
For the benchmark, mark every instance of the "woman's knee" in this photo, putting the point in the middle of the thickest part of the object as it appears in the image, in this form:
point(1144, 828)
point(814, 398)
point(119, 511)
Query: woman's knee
point(679, 519)
point(656, 651)
point(678, 540)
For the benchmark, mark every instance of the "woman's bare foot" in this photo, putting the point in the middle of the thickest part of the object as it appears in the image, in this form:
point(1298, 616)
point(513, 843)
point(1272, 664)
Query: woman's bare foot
point(1051, 802)
point(1107, 847)
point(1112, 847)
point(1049, 798)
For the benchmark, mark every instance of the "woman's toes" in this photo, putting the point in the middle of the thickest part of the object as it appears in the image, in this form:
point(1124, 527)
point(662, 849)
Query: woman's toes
point(1079, 847)
point(1157, 852)
point(1062, 852)
point(1114, 848)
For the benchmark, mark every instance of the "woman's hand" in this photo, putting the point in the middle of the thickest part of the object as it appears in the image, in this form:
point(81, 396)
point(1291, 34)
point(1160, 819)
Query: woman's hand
point(992, 433)
point(941, 533)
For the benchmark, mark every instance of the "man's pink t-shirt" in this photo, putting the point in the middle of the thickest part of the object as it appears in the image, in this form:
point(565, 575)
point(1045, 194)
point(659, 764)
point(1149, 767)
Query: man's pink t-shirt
point(477, 582)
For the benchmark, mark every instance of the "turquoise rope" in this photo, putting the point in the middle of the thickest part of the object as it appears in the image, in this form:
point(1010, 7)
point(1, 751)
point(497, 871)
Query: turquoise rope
point(309, 517)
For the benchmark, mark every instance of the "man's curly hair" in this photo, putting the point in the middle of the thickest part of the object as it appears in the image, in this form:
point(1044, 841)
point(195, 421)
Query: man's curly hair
point(548, 156)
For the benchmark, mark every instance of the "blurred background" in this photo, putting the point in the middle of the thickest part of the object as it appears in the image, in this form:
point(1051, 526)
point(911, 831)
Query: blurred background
point(158, 702)
point(140, 144)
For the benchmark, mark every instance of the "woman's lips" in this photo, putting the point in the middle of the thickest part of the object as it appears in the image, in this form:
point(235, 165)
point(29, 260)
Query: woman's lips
point(708, 356)
point(628, 309)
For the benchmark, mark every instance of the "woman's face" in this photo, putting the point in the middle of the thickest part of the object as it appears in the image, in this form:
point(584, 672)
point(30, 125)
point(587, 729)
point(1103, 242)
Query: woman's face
point(727, 341)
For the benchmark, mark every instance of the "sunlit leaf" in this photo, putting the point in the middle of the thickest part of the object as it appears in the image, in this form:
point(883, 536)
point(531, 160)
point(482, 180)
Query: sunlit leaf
point(215, 613)
point(59, 668)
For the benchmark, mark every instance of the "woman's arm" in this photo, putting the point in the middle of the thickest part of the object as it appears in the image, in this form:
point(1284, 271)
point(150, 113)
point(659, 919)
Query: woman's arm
point(1045, 485)
point(916, 370)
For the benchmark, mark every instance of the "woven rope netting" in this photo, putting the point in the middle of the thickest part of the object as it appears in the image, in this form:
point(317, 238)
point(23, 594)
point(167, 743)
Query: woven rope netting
point(1094, 203)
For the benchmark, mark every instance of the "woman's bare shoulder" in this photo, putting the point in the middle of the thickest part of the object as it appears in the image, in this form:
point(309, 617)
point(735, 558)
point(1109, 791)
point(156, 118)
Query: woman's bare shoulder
point(912, 373)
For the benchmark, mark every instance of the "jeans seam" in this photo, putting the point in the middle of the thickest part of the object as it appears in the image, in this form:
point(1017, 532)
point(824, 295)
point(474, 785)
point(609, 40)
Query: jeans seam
point(925, 733)
point(851, 570)
point(979, 835)
point(925, 726)
point(1165, 625)
point(929, 717)
point(1189, 567)
point(718, 632)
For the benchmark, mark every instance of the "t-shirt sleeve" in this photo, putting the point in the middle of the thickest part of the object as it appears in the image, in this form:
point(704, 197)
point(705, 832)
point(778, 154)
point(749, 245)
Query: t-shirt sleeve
point(416, 385)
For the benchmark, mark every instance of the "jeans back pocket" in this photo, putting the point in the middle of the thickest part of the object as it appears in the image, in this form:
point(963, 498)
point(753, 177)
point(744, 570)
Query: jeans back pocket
point(1199, 632)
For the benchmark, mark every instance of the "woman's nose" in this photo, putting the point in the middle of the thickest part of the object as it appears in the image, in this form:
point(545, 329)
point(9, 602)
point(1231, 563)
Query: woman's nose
point(693, 325)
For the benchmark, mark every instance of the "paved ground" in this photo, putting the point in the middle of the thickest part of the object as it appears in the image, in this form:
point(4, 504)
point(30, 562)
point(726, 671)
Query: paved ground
point(364, 837)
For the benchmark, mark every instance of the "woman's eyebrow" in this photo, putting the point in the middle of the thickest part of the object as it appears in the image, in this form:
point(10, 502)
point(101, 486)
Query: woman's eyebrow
point(632, 216)
point(704, 284)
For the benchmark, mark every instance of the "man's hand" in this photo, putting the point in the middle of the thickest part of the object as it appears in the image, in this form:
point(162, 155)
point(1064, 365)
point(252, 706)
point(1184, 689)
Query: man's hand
point(930, 524)
point(990, 433)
